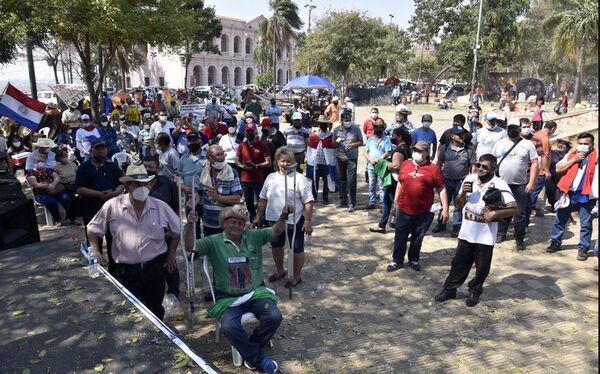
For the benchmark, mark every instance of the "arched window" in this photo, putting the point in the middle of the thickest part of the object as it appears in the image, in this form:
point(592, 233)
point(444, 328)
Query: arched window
point(224, 43)
point(197, 76)
point(237, 76)
point(237, 44)
point(249, 46)
point(280, 77)
point(249, 75)
point(225, 75)
point(212, 75)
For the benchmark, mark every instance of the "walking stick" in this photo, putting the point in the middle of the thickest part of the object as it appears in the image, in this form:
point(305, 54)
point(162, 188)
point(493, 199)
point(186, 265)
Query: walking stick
point(190, 269)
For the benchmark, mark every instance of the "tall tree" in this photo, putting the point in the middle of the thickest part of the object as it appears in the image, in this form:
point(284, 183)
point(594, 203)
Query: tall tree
point(281, 26)
point(8, 49)
point(53, 49)
point(575, 30)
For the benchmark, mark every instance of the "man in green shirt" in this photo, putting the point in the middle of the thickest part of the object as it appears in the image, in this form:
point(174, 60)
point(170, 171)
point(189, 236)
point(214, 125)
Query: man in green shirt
point(254, 107)
point(236, 259)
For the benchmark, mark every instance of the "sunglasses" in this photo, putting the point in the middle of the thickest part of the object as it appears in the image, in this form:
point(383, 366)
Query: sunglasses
point(482, 166)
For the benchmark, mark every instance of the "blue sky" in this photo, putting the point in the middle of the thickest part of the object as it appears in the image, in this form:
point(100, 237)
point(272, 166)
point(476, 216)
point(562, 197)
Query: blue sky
point(402, 10)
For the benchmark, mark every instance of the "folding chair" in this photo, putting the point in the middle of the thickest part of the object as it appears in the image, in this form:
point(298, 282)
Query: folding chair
point(44, 132)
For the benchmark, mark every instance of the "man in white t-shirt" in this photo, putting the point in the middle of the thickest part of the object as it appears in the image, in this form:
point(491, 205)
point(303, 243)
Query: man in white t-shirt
point(350, 105)
point(513, 168)
point(162, 125)
point(488, 135)
point(477, 235)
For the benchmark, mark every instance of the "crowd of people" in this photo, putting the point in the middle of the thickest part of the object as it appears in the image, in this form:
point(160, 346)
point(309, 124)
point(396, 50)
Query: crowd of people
point(249, 182)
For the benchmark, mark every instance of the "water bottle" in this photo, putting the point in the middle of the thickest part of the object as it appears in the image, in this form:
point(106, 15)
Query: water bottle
point(93, 270)
point(171, 305)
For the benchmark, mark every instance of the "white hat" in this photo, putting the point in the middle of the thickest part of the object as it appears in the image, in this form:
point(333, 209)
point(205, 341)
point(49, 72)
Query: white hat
point(403, 108)
point(296, 115)
point(44, 143)
point(136, 173)
point(489, 116)
point(514, 121)
point(335, 98)
point(347, 99)
point(501, 117)
point(84, 116)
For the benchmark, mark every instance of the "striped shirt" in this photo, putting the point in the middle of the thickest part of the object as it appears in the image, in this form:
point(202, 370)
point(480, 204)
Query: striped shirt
point(212, 209)
point(296, 139)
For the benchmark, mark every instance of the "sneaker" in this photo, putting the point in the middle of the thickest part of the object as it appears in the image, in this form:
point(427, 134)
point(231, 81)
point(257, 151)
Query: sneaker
point(445, 295)
point(472, 300)
point(553, 247)
point(351, 208)
point(392, 266)
point(377, 229)
point(415, 265)
point(520, 245)
point(249, 367)
point(370, 206)
point(439, 228)
point(455, 231)
point(582, 254)
point(342, 205)
point(267, 365)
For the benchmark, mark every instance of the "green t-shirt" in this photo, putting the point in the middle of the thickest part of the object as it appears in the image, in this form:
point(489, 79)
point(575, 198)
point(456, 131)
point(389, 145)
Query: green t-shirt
point(236, 271)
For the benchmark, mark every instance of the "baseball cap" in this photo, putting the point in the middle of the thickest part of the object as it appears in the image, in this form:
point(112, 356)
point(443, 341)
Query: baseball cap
point(490, 116)
point(97, 141)
point(296, 116)
point(266, 122)
point(85, 117)
point(193, 135)
point(421, 146)
point(250, 127)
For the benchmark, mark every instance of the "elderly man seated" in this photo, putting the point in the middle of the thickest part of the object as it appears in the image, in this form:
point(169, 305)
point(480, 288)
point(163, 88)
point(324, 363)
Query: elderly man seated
point(236, 258)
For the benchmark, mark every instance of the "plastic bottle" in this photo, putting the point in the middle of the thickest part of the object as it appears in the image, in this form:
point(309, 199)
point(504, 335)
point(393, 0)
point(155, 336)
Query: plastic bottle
point(171, 305)
point(93, 270)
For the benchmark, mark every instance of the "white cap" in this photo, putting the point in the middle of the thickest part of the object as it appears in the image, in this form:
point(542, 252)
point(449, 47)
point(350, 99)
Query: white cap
point(346, 99)
point(514, 121)
point(403, 108)
point(501, 117)
point(490, 116)
point(297, 115)
point(335, 98)
point(84, 117)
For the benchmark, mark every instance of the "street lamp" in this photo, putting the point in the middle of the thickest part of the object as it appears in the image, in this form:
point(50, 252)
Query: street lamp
point(476, 50)
point(391, 18)
point(310, 7)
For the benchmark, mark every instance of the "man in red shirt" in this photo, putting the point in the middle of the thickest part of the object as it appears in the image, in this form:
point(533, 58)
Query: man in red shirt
point(214, 129)
point(369, 124)
point(417, 180)
point(252, 158)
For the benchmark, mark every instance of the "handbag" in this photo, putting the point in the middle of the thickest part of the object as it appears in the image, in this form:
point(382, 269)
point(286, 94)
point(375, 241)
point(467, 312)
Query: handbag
point(503, 157)
point(557, 108)
point(563, 202)
point(493, 197)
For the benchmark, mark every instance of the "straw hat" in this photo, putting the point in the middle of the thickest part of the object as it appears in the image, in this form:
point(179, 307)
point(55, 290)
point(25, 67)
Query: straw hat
point(136, 173)
point(44, 143)
point(72, 104)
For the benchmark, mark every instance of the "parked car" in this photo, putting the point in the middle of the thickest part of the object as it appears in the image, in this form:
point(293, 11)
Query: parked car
point(47, 97)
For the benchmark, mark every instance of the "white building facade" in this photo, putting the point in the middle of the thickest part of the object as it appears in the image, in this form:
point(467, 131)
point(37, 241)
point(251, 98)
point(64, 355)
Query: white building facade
point(235, 66)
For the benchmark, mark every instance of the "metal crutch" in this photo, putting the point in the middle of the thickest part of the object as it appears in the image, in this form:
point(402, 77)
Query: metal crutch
point(189, 264)
point(290, 258)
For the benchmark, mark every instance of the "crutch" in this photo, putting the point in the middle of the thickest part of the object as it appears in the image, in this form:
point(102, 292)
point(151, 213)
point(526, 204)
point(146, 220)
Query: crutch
point(290, 258)
point(189, 264)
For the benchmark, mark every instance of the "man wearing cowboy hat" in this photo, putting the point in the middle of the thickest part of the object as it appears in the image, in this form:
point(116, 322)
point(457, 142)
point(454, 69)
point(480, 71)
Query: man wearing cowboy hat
point(145, 235)
point(43, 146)
point(237, 263)
point(71, 116)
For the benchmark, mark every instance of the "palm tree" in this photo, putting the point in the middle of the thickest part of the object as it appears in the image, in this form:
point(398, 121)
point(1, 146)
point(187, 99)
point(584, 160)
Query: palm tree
point(575, 30)
point(262, 52)
point(281, 27)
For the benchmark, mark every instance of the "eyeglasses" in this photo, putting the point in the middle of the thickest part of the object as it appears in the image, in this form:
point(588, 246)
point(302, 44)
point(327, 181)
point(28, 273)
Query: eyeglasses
point(482, 166)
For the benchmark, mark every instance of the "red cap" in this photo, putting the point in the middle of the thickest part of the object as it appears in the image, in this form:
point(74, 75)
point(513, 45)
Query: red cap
point(251, 127)
point(266, 122)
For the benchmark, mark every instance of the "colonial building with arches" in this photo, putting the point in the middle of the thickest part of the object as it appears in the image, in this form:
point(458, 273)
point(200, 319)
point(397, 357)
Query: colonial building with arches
point(235, 66)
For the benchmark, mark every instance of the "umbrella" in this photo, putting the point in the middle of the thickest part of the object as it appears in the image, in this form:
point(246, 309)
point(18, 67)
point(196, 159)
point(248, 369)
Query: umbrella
point(308, 81)
point(392, 81)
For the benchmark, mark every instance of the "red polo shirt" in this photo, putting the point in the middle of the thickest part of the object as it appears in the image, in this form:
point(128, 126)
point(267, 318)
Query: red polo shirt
point(257, 153)
point(368, 127)
point(418, 185)
point(211, 134)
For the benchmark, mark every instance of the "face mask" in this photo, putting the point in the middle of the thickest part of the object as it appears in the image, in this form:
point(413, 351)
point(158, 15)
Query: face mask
point(218, 165)
point(583, 148)
point(85, 125)
point(526, 131)
point(17, 144)
point(378, 132)
point(562, 149)
point(249, 120)
point(159, 151)
point(104, 123)
point(427, 124)
point(146, 127)
point(417, 156)
point(374, 115)
point(231, 130)
point(513, 133)
point(194, 147)
point(348, 125)
point(485, 178)
point(69, 131)
point(250, 136)
point(162, 119)
point(140, 193)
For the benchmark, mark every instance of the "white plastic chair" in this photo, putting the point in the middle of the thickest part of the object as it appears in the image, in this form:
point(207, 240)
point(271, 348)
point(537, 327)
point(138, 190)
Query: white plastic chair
point(44, 132)
point(246, 317)
point(122, 157)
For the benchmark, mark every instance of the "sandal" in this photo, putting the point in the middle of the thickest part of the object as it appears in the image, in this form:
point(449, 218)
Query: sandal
point(274, 277)
point(289, 284)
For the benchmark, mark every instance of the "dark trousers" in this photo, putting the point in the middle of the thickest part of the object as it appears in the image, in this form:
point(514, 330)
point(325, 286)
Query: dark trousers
point(87, 217)
point(452, 189)
point(321, 172)
point(540, 183)
point(552, 191)
point(173, 280)
point(466, 254)
point(417, 226)
point(251, 347)
point(388, 202)
point(146, 282)
point(346, 173)
point(520, 223)
point(251, 191)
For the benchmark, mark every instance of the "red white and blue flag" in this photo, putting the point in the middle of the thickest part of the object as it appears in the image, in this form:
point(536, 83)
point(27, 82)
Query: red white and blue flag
point(21, 108)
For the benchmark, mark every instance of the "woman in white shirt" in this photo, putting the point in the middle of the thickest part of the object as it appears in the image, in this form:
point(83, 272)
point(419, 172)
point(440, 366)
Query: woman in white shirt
point(229, 145)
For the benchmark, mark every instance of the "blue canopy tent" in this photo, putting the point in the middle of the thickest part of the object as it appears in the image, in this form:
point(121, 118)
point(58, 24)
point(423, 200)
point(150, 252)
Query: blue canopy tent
point(308, 81)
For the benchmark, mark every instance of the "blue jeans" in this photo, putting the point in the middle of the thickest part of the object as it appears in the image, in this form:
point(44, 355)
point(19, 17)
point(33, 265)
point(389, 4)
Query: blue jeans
point(452, 189)
point(585, 223)
point(374, 184)
point(251, 348)
point(415, 225)
point(51, 202)
point(540, 182)
point(388, 201)
point(518, 191)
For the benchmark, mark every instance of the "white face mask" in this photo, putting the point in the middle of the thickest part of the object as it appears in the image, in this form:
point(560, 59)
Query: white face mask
point(219, 165)
point(140, 193)
point(583, 148)
point(162, 119)
point(427, 124)
point(347, 124)
point(104, 123)
point(146, 127)
point(374, 115)
point(249, 120)
point(231, 130)
point(417, 156)
point(17, 144)
point(526, 131)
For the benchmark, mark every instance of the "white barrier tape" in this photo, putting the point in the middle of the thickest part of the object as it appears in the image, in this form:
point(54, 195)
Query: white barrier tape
point(157, 322)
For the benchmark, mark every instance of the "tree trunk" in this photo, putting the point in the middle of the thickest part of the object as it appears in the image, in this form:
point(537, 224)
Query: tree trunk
point(580, 61)
point(274, 67)
point(55, 68)
point(62, 66)
point(31, 67)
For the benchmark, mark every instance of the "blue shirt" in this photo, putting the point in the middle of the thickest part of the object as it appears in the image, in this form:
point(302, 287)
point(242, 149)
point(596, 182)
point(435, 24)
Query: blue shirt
point(428, 136)
point(190, 167)
point(375, 147)
point(273, 112)
point(210, 208)
point(109, 135)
